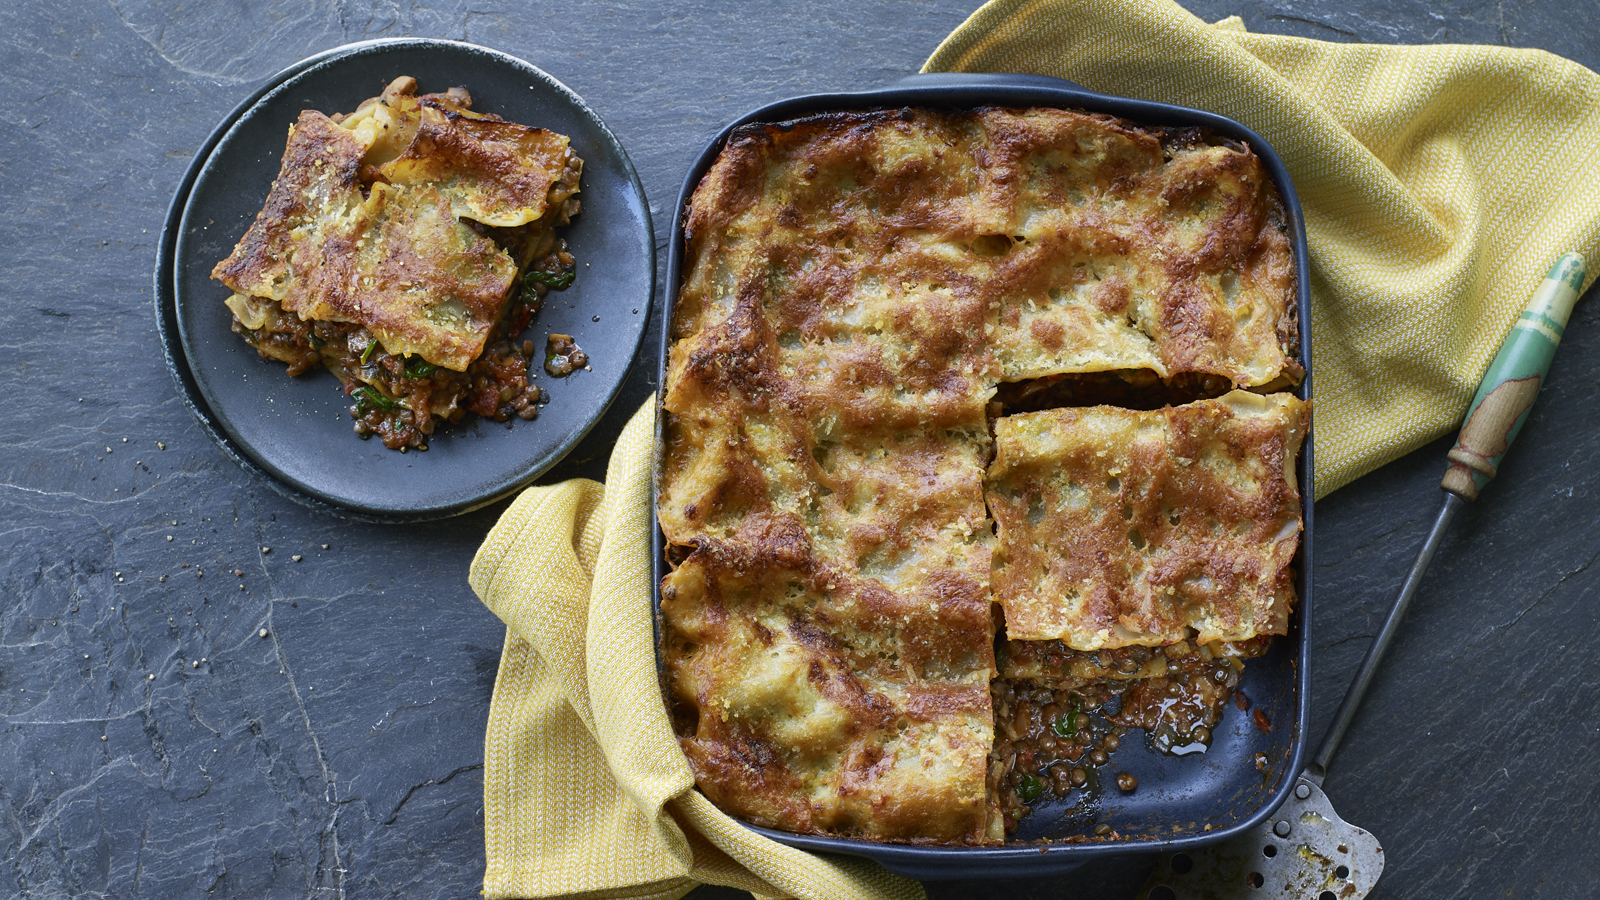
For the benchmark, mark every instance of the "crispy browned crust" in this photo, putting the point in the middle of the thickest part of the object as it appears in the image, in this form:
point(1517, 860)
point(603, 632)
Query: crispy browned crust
point(816, 700)
point(1137, 249)
point(856, 286)
point(1120, 527)
point(826, 406)
point(429, 285)
point(1093, 244)
point(395, 256)
point(397, 261)
point(492, 171)
point(317, 182)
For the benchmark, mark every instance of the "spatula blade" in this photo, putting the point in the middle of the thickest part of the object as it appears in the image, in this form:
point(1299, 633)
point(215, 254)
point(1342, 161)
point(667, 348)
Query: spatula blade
point(1304, 852)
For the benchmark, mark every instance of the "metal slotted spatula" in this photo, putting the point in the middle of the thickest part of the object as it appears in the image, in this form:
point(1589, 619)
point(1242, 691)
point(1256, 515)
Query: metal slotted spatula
point(1305, 850)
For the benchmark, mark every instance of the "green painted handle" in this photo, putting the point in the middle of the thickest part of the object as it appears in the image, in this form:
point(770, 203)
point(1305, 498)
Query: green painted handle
point(1506, 393)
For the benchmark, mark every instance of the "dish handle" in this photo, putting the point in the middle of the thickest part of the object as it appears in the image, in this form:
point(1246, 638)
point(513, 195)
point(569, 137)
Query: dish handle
point(989, 80)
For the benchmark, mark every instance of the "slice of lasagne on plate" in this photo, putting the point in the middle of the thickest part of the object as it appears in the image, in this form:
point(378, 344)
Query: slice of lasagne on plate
point(404, 247)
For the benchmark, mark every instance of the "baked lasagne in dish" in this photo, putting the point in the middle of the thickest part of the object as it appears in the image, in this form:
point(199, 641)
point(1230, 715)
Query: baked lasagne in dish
point(405, 246)
point(976, 457)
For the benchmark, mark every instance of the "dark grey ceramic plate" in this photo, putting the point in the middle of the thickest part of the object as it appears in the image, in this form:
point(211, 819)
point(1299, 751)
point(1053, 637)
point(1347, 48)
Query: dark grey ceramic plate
point(296, 432)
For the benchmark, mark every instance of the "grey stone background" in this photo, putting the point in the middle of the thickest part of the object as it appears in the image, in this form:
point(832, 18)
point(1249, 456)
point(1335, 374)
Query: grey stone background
point(341, 755)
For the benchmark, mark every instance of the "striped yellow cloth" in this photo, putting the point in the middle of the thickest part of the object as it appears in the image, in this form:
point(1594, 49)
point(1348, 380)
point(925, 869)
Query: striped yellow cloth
point(1439, 184)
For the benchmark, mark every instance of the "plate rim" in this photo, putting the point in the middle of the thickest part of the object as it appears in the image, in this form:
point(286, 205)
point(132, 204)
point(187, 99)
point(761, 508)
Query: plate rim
point(170, 330)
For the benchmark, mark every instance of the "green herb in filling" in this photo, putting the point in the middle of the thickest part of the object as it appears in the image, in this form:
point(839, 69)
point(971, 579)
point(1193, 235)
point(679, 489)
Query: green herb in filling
point(416, 367)
point(1067, 725)
point(368, 397)
point(1029, 789)
point(557, 281)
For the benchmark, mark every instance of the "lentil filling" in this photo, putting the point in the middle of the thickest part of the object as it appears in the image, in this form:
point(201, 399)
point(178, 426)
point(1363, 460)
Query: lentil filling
point(1054, 738)
point(402, 399)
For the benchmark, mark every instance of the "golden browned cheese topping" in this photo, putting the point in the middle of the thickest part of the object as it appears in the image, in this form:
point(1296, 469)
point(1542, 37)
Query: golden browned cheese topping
point(817, 700)
point(1127, 252)
point(492, 171)
point(1119, 527)
point(856, 287)
point(396, 257)
point(317, 186)
point(826, 408)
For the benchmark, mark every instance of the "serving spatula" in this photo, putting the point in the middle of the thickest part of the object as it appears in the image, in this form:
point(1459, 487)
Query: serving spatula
point(1304, 850)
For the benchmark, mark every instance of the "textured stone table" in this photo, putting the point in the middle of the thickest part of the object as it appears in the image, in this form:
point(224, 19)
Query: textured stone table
point(154, 744)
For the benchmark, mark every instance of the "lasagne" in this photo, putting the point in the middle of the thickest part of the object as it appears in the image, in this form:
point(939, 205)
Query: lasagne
point(404, 247)
point(866, 296)
point(1120, 527)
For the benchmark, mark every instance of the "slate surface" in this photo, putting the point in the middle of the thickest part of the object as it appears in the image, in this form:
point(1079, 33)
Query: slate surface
point(340, 755)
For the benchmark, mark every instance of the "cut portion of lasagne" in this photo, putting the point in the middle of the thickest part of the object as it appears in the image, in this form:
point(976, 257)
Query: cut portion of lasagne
point(863, 293)
point(1122, 527)
point(1139, 250)
point(400, 247)
point(1142, 557)
point(491, 171)
point(822, 486)
point(812, 698)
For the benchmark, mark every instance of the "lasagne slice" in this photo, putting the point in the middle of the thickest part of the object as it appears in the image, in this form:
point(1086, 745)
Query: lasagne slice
point(396, 261)
point(1141, 250)
point(390, 250)
point(491, 171)
point(317, 190)
point(851, 235)
point(1121, 527)
point(812, 700)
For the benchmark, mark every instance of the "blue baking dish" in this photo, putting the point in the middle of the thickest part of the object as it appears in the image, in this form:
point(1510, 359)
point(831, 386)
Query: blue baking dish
point(1183, 802)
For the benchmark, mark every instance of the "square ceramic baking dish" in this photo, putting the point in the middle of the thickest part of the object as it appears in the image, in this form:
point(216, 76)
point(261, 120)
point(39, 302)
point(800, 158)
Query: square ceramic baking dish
point(1182, 802)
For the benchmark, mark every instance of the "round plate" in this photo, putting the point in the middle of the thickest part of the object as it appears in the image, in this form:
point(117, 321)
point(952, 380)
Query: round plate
point(297, 432)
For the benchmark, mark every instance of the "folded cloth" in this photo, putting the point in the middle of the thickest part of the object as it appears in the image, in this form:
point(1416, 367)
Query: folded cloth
point(1439, 183)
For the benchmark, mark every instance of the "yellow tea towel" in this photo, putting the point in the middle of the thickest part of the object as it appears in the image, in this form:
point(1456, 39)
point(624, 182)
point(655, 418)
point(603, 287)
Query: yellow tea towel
point(1439, 185)
point(1438, 182)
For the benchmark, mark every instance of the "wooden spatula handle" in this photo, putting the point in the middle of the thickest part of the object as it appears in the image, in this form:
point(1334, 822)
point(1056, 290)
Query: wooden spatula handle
point(1506, 393)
